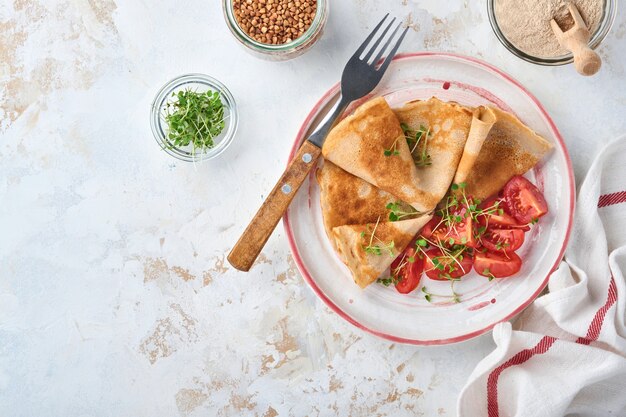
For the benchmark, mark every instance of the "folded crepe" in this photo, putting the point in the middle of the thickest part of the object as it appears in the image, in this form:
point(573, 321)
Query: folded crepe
point(482, 121)
point(511, 148)
point(347, 199)
point(359, 179)
point(445, 128)
point(369, 249)
point(370, 144)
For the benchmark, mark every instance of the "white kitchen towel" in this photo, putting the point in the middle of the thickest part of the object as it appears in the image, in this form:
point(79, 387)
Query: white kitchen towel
point(566, 354)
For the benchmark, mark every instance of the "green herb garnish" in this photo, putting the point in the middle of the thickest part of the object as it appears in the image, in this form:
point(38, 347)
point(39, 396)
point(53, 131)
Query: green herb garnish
point(418, 139)
point(398, 212)
point(392, 280)
point(455, 297)
point(393, 150)
point(415, 139)
point(488, 273)
point(427, 295)
point(375, 245)
point(194, 119)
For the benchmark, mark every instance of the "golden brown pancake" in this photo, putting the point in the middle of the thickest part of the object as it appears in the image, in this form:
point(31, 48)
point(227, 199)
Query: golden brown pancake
point(358, 143)
point(484, 149)
point(384, 240)
point(347, 199)
point(449, 124)
point(510, 149)
point(482, 121)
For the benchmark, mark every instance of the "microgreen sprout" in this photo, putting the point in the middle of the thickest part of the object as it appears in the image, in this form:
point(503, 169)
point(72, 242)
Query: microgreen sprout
point(394, 278)
point(427, 295)
point(450, 258)
point(455, 297)
point(393, 150)
point(458, 207)
point(397, 211)
point(376, 246)
point(391, 280)
point(418, 139)
point(488, 273)
point(194, 118)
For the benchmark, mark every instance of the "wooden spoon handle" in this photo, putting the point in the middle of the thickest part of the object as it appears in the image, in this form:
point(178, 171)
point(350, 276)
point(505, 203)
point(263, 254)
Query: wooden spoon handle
point(255, 236)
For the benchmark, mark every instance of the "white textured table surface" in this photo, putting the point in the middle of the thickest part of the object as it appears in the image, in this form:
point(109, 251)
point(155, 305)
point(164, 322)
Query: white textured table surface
point(115, 297)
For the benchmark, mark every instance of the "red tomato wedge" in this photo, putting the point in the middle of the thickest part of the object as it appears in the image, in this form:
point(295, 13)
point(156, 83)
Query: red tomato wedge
point(442, 268)
point(484, 238)
point(499, 219)
point(427, 231)
point(461, 233)
point(408, 272)
point(502, 240)
point(496, 265)
point(523, 200)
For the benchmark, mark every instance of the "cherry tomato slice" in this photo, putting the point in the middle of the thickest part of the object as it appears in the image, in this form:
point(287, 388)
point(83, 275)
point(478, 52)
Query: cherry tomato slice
point(409, 272)
point(502, 240)
point(499, 219)
point(442, 268)
point(497, 265)
point(458, 233)
point(429, 228)
point(523, 200)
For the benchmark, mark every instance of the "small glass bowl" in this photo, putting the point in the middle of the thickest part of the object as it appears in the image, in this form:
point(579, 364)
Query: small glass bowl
point(284, 51)
point(610, 10)
point(200, 83)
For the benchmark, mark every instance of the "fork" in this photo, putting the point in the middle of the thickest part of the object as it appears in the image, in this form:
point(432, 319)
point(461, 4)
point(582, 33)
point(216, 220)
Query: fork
point(360, 76)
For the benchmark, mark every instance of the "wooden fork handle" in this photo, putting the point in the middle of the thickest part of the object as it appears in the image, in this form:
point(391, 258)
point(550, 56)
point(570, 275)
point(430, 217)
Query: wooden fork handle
point(255, 236)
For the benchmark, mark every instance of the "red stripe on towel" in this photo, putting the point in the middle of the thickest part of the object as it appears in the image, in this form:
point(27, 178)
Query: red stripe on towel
point(610, 199)
point(492, 382)
point(596, 324)
point(593, 332)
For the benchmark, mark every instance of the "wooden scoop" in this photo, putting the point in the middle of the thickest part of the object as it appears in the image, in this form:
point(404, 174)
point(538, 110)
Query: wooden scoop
point(586, 61)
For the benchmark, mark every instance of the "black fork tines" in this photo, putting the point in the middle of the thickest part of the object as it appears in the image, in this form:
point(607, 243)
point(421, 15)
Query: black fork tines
point(393, 52)
point(369, 54)
point(372, 47)
point(369, 37)
point(384, 48)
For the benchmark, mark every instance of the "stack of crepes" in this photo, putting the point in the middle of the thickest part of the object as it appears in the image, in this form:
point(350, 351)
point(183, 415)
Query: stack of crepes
point(369, 164)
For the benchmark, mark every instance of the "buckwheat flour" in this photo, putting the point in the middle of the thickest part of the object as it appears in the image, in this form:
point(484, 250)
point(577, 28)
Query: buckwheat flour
point(526, 23)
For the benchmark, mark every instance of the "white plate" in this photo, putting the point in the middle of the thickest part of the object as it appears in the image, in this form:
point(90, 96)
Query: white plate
point(410, 318)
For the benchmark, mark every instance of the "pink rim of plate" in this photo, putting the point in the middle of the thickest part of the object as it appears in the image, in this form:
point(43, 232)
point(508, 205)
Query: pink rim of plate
point(305, 273)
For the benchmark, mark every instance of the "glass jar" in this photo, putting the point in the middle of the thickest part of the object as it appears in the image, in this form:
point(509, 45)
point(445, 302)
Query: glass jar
point(608, 17)
point(200, 83)
point(284, 51)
